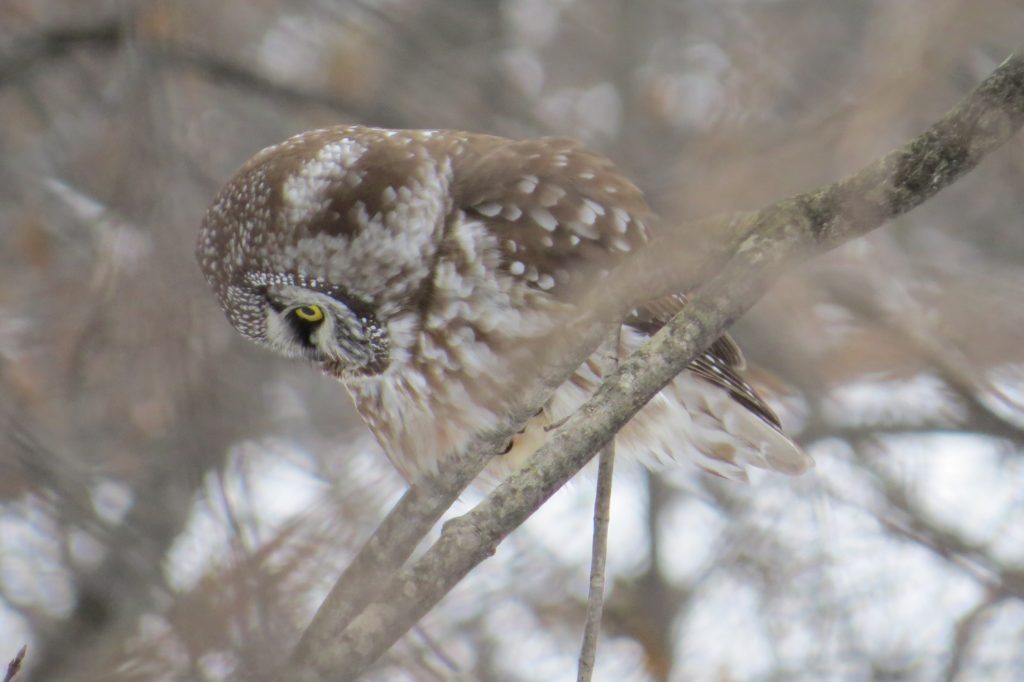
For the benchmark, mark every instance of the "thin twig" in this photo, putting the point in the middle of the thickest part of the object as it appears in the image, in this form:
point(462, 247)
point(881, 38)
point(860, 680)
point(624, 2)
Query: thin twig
point(966, 628)
point(435, 648)
point(56, 43)
point(968, 385)
point(15, 665)
point(599, 550)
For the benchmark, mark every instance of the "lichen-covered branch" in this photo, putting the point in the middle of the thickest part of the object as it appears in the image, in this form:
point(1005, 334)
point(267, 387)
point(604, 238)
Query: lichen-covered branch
point(395, 539)
point(758, 246)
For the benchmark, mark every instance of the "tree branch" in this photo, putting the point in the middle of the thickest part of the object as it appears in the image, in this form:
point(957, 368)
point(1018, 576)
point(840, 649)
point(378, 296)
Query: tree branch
point(768, 241)
point(14, 667)
point(59, 42)
point(395, 539)
point(824, 218)
point(56, 43)
point(966, 628)
point(968, 385)
point(599, 549)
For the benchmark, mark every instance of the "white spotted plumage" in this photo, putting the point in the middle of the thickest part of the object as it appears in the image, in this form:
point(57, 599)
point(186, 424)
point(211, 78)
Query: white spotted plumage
point(424, 268)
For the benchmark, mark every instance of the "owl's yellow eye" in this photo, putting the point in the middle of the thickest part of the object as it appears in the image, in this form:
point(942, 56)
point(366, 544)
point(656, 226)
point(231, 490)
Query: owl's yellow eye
point(310, 313)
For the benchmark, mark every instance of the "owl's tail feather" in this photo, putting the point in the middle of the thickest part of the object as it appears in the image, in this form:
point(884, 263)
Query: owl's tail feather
point(729, 437)
point(708, 414)
point(770, 448)
point(694, 419)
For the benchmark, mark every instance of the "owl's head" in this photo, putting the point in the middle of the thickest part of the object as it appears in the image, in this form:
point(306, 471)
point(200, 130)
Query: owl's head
point(320, 246)
point(345, 245)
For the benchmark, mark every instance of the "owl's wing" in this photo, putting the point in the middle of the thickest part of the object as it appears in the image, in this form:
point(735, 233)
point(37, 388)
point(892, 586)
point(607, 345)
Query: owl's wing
point(561, 214)
point(717, 365)
point(727, 433)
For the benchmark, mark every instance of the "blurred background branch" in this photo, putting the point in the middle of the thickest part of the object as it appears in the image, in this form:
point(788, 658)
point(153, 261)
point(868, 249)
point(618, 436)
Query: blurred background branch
point(143, 444)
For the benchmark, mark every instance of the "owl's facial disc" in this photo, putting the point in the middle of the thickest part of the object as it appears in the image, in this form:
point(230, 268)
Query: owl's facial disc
point(305, 323)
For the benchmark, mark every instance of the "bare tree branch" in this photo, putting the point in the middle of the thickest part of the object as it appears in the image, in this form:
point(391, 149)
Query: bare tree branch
point(59, 42)
point(56, 43)
point(14, 667)
point(599, 550)
point(827, 217)
point(599, 554)
point(779, 236)
point(966, 627)
point(419, 509)
point(955, 370)
point(231, 72)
